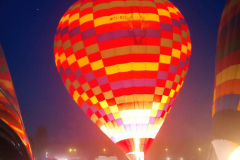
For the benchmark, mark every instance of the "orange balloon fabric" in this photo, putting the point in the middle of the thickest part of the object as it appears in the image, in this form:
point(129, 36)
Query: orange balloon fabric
point(127, 60)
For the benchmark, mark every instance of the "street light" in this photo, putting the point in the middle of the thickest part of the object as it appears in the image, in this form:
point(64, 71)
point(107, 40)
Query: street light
point(166, 152)
point(104, 150)
point(70, 150)
point(199, 153)
point(75, 150)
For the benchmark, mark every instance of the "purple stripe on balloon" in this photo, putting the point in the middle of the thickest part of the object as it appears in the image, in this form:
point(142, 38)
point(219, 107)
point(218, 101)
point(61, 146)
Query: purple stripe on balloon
point(78, 73)
point(133, 83)
point(85, 108)
point(119, 122)
point(74, 31)
point(150, 82)
point(64, 31)
point(102, 80)
point(127, 83)
point(125, 33)
point(61, 70)
point(68, 71)
point(120, 34)
point(166, 107)
point(159, 114)
point(152, 120)
point(172, 101)
point(116, 85)
point(230, 101)
point(88, 33)
point(102, 112)
point(173, 69)
point(137, 32)
point(143, 82)
point(93, 108)
point(187, 60)
point(58, 31)
point(166, 27)
point(153, 33)
point(89, 76)
point(181, 64)
point(176, 23)
point(110, 117)
point(162, 75)
point(182, 21)
point(127, 128)
point(138, 82)
point(104, 37)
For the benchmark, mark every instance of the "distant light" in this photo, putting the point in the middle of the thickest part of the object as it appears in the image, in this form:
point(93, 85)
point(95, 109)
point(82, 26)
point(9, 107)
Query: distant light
point(104, 150)
point(70, 150)
point(37, 9)
point(235, 155)
point(181, 158)
point(168, 158)
point(75, 150)
point(199, 149)
point(166, 149)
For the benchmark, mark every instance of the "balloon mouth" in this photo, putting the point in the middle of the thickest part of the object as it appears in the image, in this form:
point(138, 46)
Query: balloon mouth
point(135, 145)
point(135, 155)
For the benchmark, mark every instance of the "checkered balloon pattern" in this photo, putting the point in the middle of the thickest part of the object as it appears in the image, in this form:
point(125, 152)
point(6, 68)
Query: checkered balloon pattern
point(127, 59)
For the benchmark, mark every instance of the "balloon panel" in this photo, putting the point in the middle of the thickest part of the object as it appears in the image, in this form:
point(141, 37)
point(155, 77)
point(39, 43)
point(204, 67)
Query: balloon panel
point(9, 107)
point(127, 60)
point(227, 81)
point(226, 100)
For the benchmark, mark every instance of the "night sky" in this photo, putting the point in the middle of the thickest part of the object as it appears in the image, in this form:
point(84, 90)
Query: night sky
point(27, 34)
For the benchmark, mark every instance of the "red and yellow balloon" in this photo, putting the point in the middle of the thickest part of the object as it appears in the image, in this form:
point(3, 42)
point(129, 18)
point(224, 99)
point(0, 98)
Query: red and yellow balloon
point(127, 60)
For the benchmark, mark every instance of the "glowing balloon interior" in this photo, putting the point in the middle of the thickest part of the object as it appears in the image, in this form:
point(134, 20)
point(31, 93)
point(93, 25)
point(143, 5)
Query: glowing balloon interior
point(127, 60)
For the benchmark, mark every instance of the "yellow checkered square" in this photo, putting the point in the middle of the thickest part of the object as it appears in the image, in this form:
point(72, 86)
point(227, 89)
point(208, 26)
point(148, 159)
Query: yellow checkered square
point(165, 59)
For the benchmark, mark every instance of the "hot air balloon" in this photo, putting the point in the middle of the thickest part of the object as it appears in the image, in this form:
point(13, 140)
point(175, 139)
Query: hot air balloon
point(14, 143)
point(127, 60)
point(226, 100)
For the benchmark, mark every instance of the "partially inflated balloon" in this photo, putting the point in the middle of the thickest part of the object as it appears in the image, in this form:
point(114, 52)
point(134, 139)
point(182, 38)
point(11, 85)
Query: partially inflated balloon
point(226, 101)
point(10, 114)
point(127, 60)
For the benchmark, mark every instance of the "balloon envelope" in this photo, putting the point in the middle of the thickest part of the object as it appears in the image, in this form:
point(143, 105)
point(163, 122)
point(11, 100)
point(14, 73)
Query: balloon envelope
point(127, 60)
point(9, 109)
point(226, 101)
